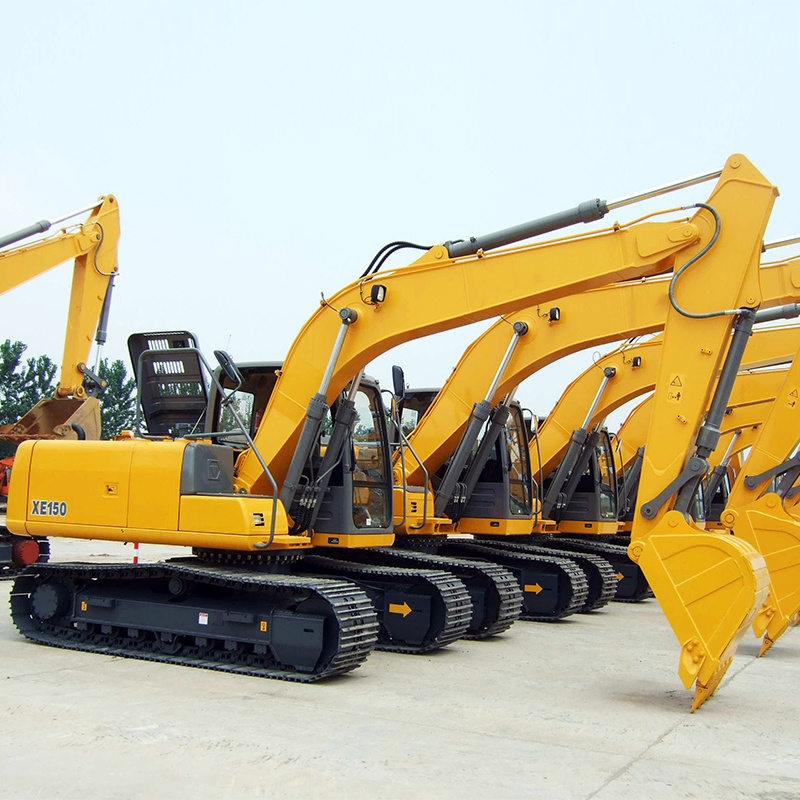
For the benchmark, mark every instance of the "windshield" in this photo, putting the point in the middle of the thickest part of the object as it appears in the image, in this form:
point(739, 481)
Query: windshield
point(607, 478)
point(371, 488)
point(519, 468)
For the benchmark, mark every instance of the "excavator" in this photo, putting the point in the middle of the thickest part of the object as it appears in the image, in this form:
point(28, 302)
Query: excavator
point(494, 602)
point(74, 412)
point(210, 611)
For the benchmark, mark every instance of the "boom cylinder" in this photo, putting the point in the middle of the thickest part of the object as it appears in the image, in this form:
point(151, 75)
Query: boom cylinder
point(577, 446)
point(315, 413)
point(588, 211)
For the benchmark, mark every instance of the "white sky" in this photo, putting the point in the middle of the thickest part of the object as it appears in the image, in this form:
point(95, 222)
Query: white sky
point(262, 152)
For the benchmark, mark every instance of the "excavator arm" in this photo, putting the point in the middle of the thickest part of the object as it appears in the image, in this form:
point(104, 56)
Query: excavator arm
point(710, 586)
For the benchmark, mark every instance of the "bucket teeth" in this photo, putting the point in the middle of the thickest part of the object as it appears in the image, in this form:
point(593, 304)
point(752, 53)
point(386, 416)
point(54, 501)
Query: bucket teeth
point(703, 692)
point(766, 643)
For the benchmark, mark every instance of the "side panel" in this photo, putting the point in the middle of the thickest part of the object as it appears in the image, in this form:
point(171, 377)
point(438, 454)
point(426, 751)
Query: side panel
point(88, 480)
point(155, 474)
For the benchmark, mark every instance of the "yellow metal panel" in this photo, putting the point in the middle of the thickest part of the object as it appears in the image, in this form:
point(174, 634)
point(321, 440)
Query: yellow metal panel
point(89, 481)
point(155, 478)
point(495, 527)
point(241, 516)
point(355, 540)
point(218, 541)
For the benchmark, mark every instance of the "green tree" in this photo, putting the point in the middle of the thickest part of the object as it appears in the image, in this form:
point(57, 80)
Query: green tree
point(118, 399)
point(23, 383)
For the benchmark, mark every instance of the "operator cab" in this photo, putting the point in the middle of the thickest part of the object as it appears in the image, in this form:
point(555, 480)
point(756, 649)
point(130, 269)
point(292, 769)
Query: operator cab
point(358, 495)
point(504, 489)
point(590, 498)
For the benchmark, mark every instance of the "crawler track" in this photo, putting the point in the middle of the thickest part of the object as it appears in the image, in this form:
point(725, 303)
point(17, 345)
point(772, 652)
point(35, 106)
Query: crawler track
point(553, 587)
point(319, 627)
point(419, 610)
point(632, 587)
point(496, 598)
point(600, 576)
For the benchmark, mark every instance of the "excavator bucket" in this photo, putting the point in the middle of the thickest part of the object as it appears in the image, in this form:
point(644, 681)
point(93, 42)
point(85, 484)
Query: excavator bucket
point(57, 418)
point(775, 533)
point(708, 584)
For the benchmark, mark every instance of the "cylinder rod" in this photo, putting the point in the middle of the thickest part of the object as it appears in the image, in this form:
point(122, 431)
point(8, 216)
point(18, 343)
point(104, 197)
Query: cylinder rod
point(102, 323)
point(520, 328)
point(692, 180)
point(781, 242)
point(788, 311)
point(347, 320)
point(608, 374)
point(96, 204)
point(588, 211)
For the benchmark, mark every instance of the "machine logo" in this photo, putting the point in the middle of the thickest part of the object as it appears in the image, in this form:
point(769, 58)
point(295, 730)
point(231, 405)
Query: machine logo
point(48, 508)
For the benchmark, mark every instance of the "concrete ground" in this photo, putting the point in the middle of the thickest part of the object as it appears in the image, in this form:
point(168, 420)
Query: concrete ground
point(590, 707)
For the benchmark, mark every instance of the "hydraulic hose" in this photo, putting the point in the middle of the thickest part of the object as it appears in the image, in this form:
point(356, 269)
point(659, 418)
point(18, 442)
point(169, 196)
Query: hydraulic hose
point(694, 260)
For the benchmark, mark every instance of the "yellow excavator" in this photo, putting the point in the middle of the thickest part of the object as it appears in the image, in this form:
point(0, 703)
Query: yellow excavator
point(620, 377)
point(74, 412)
point(270, 509)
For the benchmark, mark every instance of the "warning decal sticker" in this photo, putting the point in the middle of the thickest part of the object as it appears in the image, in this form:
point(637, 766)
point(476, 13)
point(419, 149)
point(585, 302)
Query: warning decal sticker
point(675, 388)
